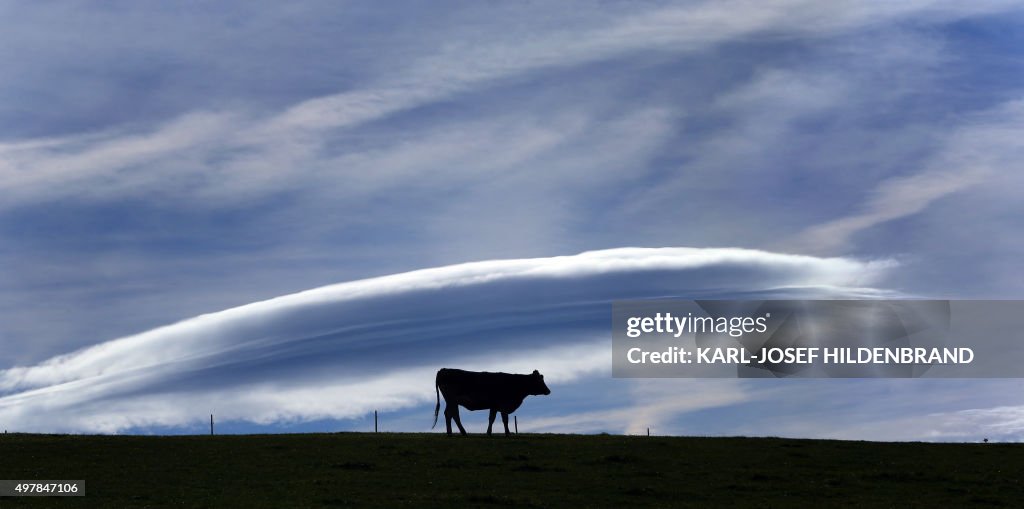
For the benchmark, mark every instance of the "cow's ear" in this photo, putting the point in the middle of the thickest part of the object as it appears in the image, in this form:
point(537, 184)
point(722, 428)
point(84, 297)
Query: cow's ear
point(536, 372)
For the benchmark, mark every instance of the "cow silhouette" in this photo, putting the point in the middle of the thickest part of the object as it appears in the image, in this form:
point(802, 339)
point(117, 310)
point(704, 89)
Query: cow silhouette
point(476, 390)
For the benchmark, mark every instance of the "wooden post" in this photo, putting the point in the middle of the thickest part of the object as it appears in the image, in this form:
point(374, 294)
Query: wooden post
point(374, 421)
point(211, 425)
point(515, 419)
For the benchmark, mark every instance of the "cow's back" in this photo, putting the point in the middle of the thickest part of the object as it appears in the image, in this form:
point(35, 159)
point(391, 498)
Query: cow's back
point(478, 390)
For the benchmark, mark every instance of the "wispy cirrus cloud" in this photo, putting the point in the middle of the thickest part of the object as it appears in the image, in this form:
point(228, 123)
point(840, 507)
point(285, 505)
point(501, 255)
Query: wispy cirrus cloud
point(248, 151)
point(983, 148)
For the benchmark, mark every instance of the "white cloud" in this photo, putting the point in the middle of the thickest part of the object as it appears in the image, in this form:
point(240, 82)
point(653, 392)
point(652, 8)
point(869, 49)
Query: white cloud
point(342, 350)
point(258, 154)
point(467, 179)
point(655, 404)
point(974, 153)
point(919, 409)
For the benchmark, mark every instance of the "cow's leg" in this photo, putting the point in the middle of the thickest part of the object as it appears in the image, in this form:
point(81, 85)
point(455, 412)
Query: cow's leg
point(504, 420)
point(458, 420)
point(448, 418)
point(490, 420)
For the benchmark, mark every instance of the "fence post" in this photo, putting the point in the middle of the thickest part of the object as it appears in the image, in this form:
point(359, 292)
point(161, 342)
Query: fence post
point(374, 421)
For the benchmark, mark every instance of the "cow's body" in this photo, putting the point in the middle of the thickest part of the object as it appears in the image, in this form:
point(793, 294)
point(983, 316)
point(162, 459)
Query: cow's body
point(497, 392)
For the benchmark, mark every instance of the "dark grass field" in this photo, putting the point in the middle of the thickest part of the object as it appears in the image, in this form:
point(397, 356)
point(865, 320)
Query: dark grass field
point(432, 470)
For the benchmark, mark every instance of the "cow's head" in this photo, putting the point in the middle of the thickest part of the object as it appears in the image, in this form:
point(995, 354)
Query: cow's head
point(537, 386)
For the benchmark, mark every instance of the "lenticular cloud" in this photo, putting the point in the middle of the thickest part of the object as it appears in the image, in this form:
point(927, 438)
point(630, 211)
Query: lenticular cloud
point(342, 350)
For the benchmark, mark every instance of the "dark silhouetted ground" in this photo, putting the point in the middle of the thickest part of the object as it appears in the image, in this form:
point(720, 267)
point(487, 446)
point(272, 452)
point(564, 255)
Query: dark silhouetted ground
point(431, 470)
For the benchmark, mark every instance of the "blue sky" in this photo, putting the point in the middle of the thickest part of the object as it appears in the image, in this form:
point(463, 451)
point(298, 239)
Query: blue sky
point(159, 163)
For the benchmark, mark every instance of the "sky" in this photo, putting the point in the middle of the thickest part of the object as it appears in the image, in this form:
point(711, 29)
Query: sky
point(293, 215)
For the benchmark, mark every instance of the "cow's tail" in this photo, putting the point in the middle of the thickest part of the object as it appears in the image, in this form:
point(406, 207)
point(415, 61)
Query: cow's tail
point(437, 392)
